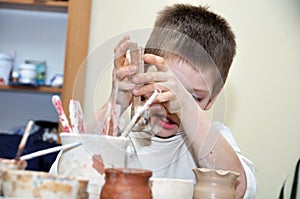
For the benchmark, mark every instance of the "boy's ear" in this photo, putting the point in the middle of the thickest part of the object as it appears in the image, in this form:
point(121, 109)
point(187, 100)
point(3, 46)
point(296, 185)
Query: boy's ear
point(212, 100)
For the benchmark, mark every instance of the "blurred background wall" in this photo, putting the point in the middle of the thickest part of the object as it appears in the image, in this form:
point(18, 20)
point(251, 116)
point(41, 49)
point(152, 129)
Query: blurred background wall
point(261, 100)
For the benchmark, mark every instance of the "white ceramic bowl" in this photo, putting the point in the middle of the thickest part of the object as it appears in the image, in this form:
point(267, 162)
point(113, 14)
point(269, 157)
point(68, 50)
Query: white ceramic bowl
point(78, 161)
point(33, 184)
point(166, 188)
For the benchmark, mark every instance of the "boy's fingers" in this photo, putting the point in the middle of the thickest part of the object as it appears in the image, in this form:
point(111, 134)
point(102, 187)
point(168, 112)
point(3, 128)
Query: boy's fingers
point(122, 48)
point(119, 61)
point(149, 89)
point(165, 96)
point(126, 71)
point(150, 77)
point(126, 37)
point(158, 61)
point(120, 53)
point(125, 86)
point(126, 62)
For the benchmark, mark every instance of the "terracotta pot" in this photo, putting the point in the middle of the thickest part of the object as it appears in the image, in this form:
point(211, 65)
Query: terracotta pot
point(125, 183)
point(214, 184)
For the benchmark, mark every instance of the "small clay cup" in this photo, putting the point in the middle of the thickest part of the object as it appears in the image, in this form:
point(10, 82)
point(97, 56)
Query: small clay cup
point(215, 184)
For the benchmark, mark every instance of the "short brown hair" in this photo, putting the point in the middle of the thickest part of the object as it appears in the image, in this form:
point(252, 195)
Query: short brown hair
point(197, 23)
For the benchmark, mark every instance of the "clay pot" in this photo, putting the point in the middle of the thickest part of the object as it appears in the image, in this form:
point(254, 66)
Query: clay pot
point(125, 183)
point(10, 164)
point(34, 184)
point(214, 184)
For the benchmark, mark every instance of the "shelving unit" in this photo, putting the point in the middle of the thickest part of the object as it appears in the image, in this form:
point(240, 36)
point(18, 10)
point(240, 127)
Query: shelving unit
point(51, 6)
point(37, 2)
point(39, 89)
point(76, 45)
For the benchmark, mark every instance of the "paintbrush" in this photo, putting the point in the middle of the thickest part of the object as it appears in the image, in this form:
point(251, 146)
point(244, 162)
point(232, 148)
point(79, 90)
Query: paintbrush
point(50, 150)
point(22, 144)
point(139, 112)
point(61, 114)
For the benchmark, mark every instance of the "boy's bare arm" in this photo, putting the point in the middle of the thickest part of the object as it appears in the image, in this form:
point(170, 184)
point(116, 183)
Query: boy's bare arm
point(210, 147)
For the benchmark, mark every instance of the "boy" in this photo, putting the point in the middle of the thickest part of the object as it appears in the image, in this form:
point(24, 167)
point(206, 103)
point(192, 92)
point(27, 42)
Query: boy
point(189, 52)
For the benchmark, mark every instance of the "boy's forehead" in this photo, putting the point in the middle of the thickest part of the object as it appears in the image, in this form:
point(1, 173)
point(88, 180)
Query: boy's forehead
point(192, 78)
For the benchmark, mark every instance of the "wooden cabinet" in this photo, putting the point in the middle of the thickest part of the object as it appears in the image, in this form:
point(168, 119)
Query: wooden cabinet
point(76, 44)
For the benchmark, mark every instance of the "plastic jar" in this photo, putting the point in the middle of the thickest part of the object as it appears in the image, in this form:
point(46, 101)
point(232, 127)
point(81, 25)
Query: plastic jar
point(27, 73)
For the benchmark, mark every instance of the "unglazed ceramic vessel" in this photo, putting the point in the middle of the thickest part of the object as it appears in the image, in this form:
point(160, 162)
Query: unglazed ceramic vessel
point(214, 184)
point(167, 188)
point(125, 183)
point(34, 184)
point(10, 164)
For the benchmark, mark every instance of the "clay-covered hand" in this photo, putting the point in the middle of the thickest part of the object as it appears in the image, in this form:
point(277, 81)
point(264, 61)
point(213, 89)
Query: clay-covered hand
point(162, 78)
point(122, 74)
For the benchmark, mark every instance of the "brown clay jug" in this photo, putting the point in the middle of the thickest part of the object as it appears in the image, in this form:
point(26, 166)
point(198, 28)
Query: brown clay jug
point(212, 184)
point(126, 183)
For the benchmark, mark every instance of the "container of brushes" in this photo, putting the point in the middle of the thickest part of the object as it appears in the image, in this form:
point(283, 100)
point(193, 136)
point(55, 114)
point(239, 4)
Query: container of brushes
point(78, 161)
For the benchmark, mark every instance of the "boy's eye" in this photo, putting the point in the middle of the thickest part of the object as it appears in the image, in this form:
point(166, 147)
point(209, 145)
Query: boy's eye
point(198, 99)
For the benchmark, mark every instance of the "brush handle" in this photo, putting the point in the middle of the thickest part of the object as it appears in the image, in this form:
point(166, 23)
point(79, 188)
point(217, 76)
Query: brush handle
point(61, 114)
point(139, 112)
point(76, 117)
point(50, 150)
point(25, 136)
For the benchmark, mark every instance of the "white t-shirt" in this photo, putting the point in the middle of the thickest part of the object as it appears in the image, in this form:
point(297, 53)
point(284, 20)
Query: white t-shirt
point(172, 158)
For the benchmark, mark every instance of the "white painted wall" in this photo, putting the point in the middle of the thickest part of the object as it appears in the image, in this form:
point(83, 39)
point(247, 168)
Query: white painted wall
point(262, 95)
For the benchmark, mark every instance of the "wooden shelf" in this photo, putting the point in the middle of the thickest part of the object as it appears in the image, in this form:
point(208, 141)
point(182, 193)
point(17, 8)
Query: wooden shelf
point(42, 5)
point(39, 89)
point(76, 48)
point(36, 2)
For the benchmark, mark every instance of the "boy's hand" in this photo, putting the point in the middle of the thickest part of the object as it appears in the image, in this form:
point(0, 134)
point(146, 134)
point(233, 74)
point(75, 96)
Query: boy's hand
point(122, 73)
point(163, 79)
